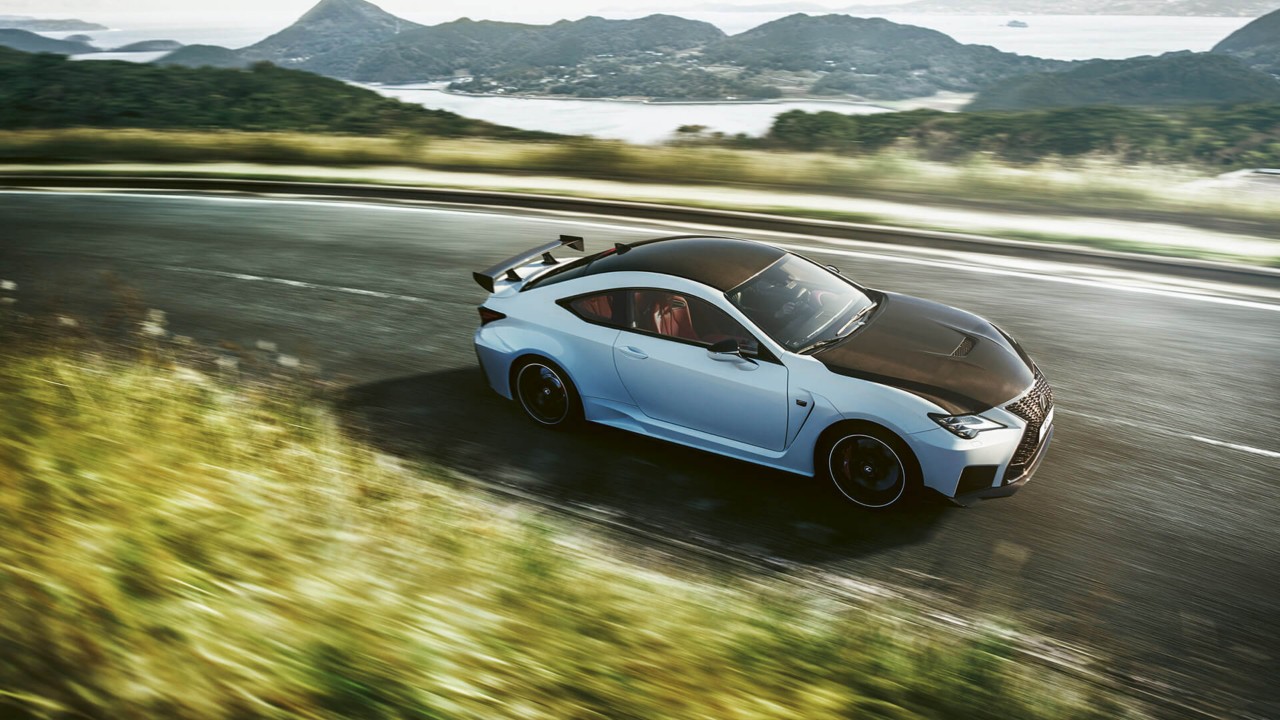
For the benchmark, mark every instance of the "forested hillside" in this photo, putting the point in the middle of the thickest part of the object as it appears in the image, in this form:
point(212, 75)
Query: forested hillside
point(1173, 79)
point(27, 41)
point(1242, 136)
point(1256, 44)
point(47, 91)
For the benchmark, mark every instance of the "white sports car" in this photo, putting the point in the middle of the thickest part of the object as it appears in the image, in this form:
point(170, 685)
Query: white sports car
point(743, 349)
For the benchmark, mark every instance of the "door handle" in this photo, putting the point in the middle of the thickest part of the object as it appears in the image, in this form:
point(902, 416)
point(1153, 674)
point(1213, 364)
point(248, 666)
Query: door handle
point(634, 352)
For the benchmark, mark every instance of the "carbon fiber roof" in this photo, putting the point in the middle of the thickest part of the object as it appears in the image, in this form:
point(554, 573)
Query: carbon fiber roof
point(722, 263)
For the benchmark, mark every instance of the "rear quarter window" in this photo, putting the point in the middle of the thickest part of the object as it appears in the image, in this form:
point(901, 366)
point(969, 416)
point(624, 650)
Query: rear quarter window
point(602, 308)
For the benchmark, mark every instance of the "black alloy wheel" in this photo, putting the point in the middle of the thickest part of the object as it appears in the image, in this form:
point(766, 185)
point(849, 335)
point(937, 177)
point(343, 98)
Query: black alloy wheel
point(867, 470)
point(546, 394)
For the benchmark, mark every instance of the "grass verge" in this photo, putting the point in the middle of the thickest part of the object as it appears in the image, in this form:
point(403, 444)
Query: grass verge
point(1088, 185)
point(179, 541)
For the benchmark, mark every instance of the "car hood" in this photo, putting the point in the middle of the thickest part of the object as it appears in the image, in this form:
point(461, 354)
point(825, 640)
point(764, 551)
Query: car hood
point(950, 357)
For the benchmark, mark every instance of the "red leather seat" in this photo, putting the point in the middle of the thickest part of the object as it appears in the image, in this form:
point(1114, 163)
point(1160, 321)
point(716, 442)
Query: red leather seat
point(600, 306)
point(672, 318)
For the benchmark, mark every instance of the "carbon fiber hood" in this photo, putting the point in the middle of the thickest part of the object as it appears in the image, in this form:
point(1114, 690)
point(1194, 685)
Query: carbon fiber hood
point(947, 356)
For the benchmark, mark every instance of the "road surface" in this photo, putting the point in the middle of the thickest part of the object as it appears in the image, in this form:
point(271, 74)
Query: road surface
point(1150, 534)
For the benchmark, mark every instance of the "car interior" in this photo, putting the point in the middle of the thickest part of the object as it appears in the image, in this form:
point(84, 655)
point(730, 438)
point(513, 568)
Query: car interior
point(665, 313)
point(676, 316)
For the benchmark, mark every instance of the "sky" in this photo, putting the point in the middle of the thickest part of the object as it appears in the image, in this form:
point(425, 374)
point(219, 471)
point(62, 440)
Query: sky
point(282, 12)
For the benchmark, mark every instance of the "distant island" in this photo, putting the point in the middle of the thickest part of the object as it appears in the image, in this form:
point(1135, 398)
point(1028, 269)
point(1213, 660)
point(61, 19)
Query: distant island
point(1189, 8)
point(150, 46)
point(669, 58)
point(1243, 68)
point(20, 22)
point(1182, 78)
point(27, 41)
point(656, 57)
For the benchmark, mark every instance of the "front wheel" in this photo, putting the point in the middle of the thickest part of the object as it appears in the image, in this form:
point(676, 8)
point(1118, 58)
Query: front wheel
point(869, 465)
point(546, 394)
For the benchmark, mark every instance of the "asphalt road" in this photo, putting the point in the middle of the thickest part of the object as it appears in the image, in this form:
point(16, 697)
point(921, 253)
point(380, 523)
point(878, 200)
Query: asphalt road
point(1150, 534)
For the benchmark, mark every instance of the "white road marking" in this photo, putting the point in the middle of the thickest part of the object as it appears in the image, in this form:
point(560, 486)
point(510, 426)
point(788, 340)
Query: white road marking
point(434, 206)
point(1234, 446)
point(297, 284)
point(1171, 433)
point(791, 246)
point(1178, 293)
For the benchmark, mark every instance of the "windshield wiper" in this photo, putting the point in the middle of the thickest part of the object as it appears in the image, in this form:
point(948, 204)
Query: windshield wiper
point(821, 344)
point(849, 326)
point(848, 329)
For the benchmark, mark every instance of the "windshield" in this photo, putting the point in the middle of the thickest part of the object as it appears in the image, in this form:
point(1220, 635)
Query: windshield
point(801, 304)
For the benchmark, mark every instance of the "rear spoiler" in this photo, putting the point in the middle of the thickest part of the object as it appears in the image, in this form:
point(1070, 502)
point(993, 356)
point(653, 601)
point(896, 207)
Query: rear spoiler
point(489, 278)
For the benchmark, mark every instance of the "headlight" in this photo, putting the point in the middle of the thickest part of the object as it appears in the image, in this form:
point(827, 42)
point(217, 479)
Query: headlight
point(966, 426)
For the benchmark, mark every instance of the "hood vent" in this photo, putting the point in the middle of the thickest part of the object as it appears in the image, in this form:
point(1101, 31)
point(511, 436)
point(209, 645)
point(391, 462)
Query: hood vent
point(964, 348)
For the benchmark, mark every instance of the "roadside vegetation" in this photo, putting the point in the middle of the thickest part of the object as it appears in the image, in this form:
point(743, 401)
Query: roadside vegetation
point(185, 534)
point(1089, 185)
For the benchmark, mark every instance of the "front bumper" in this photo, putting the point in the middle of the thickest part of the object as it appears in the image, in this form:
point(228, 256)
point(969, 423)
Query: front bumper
point(1014, 485)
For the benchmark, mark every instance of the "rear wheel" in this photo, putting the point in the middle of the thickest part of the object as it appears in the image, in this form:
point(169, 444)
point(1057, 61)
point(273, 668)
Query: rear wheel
point(546, 394)
point(869, 465)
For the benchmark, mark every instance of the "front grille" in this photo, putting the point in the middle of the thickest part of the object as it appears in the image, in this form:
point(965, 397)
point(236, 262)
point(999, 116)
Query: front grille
point(1033, 407)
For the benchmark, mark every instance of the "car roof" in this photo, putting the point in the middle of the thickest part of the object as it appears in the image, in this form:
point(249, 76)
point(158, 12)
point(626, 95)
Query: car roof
point(719, 262)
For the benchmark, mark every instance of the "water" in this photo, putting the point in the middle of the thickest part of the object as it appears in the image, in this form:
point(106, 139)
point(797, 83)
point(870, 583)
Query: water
point(1063, 37)
point(1067, 37)
point(233, 37)
point(134, 57)
point(616, 119)
point(1082, 37)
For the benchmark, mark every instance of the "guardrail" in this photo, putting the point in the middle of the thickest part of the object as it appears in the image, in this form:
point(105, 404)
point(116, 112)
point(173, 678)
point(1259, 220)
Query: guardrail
point(888, 235)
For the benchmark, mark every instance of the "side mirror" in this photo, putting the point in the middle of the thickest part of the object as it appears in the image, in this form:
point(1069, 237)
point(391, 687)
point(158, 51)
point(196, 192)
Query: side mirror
point(834, 269)
point(730, 351)
point(725, 347)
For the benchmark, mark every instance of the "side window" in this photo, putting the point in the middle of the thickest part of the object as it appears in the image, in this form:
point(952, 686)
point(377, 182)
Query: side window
point(684, 317)
point(606, 308)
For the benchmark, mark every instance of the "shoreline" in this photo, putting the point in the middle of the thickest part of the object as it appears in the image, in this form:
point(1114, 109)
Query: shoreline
point(944, 101)
point(633, 100)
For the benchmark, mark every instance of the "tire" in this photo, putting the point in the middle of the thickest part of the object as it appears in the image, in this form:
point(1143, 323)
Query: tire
point(546, 394)
point(869, 465)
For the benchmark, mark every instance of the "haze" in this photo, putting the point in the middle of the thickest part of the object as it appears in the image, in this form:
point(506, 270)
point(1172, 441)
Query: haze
point(255, 13)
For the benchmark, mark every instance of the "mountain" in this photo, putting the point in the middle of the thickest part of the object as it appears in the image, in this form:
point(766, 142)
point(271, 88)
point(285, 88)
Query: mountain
point(204, 56)
point(150, 46)
point(1183, 78)
point(1256, 44)
point(42, 91)
point(38, 25)
point(1194, 8)
point(592, 57)
point(330, 38)
point(487, 47)
point(30, 42)
point(872, 57)
point(445, 50)
point(659, 56)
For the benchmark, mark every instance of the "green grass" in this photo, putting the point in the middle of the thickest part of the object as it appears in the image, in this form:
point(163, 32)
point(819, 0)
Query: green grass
point(181, 541)
point(1087, 185)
